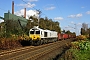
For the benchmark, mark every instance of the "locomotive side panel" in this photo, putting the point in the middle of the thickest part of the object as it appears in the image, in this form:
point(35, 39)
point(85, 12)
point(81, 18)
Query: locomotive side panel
point(49, 34)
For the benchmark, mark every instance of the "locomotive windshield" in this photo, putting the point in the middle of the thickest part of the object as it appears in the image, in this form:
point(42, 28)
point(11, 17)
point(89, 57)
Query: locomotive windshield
point(34, 32)
point(37, 32)
point(31, 32)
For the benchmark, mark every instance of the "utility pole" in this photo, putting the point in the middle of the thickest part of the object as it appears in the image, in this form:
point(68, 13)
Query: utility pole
point(75, 28)
point(38, 12)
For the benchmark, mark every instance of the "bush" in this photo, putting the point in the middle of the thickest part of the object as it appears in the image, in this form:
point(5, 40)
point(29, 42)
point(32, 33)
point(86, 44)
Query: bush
point(9, 43)
point(81, 37)
point(80, 50)
point(23, 37)
point(84, 45)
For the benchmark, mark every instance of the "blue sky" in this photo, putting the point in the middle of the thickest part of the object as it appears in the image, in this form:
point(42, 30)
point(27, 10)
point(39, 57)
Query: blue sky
point(66, 12)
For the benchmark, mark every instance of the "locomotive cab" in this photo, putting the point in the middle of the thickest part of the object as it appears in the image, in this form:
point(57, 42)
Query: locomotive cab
point(34, 34)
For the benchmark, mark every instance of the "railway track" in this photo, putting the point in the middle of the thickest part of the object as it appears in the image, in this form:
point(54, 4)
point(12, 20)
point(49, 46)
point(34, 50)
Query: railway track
point(32, 52)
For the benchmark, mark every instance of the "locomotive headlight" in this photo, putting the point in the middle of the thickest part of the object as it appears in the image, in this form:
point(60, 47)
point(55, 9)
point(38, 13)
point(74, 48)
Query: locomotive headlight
point(34, 37)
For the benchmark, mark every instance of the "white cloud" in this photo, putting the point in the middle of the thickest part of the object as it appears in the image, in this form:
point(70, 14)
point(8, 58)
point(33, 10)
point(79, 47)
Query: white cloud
point(1, 20)
point(79, 24)
point(28, 5)
point(32, 0)
point(69, 28)
point(72, 22)
point(88, 12)
point(28, 13)
point(71, 16)
point(75, 16)
point(75, 23)
point(79, 15)
point(58, 18)
point(50, 8)
point(82, 7)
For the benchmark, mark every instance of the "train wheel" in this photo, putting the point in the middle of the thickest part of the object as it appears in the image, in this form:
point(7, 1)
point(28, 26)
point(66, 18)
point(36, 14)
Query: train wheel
point(32, 43)
point(38, 42)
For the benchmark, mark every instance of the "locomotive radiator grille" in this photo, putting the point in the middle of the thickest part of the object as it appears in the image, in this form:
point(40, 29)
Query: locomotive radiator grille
point(35, 37)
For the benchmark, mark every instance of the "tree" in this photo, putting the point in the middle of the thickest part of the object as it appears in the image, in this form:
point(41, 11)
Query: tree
point(82, 31)
point(2, 29)
point(63, 31)
point(68, 32)
point(89, 32)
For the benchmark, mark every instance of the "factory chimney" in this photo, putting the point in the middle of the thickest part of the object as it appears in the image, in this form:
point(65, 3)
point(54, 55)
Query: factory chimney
point(24, 12)
point(12, 7)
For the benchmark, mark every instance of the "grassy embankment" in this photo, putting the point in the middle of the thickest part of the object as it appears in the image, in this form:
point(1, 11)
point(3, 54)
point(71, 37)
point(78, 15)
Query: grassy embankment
point(80, 50)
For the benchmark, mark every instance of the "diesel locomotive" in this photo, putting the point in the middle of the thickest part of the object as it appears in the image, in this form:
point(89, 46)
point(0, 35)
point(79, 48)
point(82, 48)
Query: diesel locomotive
point(40, 36)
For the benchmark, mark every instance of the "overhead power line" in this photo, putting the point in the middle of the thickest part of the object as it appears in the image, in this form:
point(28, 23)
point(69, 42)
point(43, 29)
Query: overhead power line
point(58, 7)
point(38, 10)
point(3, 9)
point(29, 4)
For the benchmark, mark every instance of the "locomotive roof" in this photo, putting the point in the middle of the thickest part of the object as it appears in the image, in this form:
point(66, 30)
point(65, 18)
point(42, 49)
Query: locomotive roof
point(37, 28)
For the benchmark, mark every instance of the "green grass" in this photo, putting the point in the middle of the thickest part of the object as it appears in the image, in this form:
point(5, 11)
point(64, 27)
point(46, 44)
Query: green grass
point(83, 53)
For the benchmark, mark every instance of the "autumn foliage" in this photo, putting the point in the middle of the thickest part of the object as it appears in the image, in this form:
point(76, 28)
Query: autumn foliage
point(81, 37)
